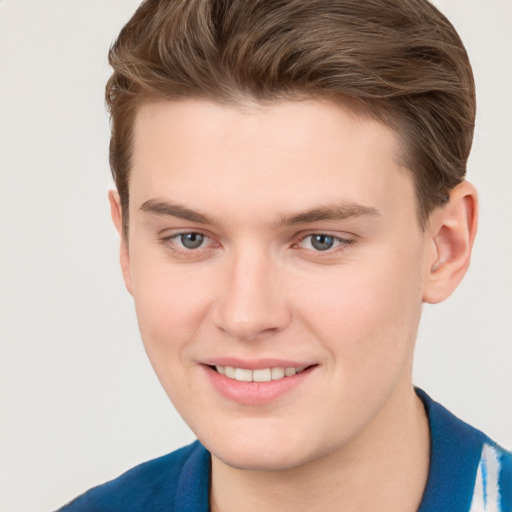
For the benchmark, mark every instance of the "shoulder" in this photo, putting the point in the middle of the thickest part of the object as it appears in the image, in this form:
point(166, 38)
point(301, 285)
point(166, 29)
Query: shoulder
point(493, 480)
point(153, 483)
point(468, 470)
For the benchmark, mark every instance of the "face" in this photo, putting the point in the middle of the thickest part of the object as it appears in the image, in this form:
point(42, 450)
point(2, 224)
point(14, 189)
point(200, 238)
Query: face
point(276, 263)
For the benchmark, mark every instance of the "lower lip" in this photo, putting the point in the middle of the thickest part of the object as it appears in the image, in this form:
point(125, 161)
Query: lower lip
point(255, 393)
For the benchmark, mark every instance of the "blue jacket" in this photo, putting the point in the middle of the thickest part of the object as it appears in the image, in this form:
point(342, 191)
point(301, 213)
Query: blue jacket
point(468, 473)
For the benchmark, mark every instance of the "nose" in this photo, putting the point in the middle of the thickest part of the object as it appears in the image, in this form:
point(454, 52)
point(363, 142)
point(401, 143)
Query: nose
point(252, 302)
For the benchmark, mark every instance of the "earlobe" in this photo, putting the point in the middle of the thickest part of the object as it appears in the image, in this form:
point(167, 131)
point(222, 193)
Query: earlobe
point(451, 231)
point(117, 218)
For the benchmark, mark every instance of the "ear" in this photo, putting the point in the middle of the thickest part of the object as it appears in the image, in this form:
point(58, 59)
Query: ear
point(124, 255)
point(451, 231)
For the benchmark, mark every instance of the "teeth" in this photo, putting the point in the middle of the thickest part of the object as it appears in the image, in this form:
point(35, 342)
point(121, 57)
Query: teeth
point(277, 373)
point(229, 372)
point(243, 375)
point(262, 375)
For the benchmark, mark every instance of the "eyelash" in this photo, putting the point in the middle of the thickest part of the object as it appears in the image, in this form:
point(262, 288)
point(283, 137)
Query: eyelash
point(170, 243)
point(342, 243)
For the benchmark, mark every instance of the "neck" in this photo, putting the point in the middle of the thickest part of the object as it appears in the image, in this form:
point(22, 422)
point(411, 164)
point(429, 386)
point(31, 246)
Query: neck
point(384, 468)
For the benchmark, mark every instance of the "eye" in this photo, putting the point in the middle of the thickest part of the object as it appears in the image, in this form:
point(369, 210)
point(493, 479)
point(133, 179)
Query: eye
point(186, 243)
point(191, 240)
point(189, 245)
point(321, 242)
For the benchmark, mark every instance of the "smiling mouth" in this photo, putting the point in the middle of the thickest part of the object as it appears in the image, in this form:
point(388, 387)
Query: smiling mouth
point(260, 375)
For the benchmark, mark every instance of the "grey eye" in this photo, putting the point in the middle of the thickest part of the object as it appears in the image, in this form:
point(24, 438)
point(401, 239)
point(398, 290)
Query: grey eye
point(192, 240)
point(322, 242)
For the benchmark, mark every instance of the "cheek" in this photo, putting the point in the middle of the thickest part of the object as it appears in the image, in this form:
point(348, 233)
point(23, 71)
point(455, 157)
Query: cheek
point(171, 303)
point(171, 308)
point(367, 315)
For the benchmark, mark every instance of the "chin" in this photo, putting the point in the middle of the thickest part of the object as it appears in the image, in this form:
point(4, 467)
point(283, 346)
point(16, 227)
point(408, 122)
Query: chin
point(275, 451)
point(258, 459)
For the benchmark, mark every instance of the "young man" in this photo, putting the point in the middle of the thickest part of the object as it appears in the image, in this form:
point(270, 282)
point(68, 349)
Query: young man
point(290, 191)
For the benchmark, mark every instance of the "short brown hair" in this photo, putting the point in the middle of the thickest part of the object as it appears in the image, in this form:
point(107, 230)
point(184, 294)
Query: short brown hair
point(402, 59)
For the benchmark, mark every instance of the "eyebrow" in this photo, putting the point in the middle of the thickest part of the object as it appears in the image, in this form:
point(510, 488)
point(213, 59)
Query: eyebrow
point(338, 212)
point(341, 211)
point(163, 208)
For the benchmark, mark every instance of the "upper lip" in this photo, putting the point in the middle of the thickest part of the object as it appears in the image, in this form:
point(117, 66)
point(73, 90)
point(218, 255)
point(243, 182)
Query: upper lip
point(256, 364)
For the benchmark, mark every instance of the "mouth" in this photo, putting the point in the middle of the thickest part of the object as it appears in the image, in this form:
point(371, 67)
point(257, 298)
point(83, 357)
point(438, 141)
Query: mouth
point(259, 375)
point(257, 386)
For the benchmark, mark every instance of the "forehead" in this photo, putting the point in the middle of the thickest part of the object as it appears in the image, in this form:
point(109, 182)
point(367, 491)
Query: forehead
point(295, 151)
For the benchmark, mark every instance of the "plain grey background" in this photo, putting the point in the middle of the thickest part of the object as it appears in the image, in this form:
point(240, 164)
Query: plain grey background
point(79, 401)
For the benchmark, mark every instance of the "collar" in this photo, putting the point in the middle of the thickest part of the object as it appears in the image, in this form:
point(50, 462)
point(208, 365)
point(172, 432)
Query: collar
point(455, 450)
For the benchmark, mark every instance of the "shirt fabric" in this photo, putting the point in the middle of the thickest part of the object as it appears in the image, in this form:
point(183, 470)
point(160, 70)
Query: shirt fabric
point(468, 473)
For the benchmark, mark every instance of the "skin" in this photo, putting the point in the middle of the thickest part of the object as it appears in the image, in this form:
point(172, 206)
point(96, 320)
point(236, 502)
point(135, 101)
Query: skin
point(257, 288)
